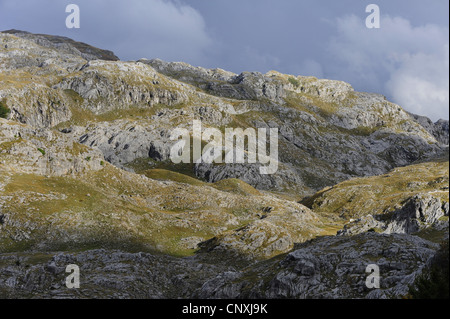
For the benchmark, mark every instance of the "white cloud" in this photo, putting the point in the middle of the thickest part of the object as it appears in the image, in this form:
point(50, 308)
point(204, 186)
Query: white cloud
point(409, 63)
point(421, 84)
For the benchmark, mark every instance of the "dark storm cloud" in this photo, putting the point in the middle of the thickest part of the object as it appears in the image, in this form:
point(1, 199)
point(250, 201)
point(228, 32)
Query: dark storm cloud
point(406, 59)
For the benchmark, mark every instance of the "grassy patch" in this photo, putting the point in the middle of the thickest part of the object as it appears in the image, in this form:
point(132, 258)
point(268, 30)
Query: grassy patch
point(35, 188)
point(6, 146)
point(164, 175)
point(294, 82)
point(433, 235)
point(83, 116)
point(142, 165)
point(4, 110)
point(382, 194)
point(316, 105)
point(330, 229)
point(108, 209)
point(237, 186)
point(74, 96)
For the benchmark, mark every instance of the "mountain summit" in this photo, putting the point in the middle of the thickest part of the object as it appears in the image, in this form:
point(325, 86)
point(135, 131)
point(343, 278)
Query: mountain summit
point(65, 45)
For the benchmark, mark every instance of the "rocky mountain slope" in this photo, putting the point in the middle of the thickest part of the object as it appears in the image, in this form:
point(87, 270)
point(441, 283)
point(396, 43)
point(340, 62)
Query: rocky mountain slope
point(409, 200)
point(65, 45)
point(328, 267)
point(85, 176)
point(59, 193)
point(320, 122)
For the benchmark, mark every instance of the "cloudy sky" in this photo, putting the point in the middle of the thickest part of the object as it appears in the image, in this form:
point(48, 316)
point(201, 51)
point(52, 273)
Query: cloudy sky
point(406, 59)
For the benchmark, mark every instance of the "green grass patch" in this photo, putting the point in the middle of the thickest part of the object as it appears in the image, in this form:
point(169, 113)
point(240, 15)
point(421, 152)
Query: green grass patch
point(382, 194)
point(294, 82)
point(234, 185)
point(70, 194)
point(433, 235)
point(166, 175)
point(4, 110)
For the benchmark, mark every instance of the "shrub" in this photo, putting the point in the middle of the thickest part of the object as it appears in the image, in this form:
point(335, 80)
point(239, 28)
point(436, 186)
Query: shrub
point(433, 282)
point(294, 82)
point(4, 110)
point(42, 151)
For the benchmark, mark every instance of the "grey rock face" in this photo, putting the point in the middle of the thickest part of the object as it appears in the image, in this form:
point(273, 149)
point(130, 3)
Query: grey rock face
point(106, 85)
point(21, 53)
point(418, 213)
point(222, 286)
point(44, 152)
point(362, 225)
point(249, 85)
point(260, 238)
point(245, 86)
point(440, 129)
point(327, 132)
point(327, 267)
point(249, 173)
point(73, 106)
point(104, 274)
point(272, 234)
point(188, 73)
point(122, 142)
point(330, 267)
point(65, 45)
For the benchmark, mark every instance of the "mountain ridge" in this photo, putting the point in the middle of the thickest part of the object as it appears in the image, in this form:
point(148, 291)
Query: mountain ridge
point(309, 108)
point(65, 44)
point(85, 175)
